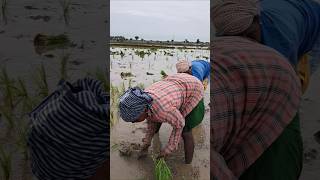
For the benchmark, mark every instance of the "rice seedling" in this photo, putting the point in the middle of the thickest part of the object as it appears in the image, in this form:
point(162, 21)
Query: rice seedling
point(122, 54)
point(130, 83)
point(65, 5)
point(102, 76)
point(115, 93)
point(8, 88)
point(140, 85)
point(5, 162)
point(63, 66)
point(24, 97)
point(163, 74)
point(4, 5)
point(122, 88)
point(7, 113)
point(21, 143)
point(41, 81)
point(162, 171)
point(141, 54)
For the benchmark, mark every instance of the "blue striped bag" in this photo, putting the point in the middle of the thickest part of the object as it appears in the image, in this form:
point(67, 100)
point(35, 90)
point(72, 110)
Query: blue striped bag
point(69, 131)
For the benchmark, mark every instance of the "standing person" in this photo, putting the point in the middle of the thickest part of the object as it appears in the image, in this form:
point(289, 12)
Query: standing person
point(255, 131)
point(289, 26)
point(69, 133)
point(176, 100)
point(198, 68)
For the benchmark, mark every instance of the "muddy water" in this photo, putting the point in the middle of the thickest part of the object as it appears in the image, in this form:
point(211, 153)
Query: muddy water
point(123, 168)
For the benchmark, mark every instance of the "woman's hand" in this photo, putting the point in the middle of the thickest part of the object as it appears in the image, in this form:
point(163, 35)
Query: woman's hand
point(162, 155)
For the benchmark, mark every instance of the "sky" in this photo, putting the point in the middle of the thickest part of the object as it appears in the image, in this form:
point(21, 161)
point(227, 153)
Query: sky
point(161, 19)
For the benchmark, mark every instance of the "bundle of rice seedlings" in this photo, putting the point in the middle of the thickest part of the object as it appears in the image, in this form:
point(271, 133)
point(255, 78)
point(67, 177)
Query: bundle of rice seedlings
point(162, 170)
point(5, 163)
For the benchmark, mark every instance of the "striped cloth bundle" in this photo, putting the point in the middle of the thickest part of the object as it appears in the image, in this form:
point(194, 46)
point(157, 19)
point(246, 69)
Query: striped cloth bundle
point(69, 131)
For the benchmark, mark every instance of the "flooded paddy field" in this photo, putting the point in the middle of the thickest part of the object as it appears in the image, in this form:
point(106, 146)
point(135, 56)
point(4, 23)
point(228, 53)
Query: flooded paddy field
point(141, 67)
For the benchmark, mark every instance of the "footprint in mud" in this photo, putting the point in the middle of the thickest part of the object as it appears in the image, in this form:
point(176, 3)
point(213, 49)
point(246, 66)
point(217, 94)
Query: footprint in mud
point(49, 55)
point(317, 136)
point(310, 154)
point(38, 17)
point(30, 8)
point(76, 63)
point(128, 149)
point(144, 130)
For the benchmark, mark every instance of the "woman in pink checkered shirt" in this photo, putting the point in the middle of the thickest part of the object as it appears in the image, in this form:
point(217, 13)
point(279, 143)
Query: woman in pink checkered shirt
point(177, 100)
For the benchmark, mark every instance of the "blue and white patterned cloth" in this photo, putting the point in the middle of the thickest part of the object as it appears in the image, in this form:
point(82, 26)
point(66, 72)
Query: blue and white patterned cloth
point(132, 104)
point(69, 131)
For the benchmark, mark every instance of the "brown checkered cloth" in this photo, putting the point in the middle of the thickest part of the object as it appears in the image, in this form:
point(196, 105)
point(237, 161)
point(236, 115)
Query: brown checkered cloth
point(255, 95)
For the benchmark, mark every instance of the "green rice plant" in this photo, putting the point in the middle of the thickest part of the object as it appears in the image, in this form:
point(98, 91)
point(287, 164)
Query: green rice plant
point(163, 74)
point(113, 116)
point(141, 54)
point(122, 88)
point(63, 66)
point(114, 95)
point(7, 86)
point(41, 81)
point(130, 83)
point(24, 97)
point(21, 142)
point(140, 85)
point(5, 163)
point(162, 171)
point(65, 5)
point(8, 115)
point(103, 76)
point(4, 5)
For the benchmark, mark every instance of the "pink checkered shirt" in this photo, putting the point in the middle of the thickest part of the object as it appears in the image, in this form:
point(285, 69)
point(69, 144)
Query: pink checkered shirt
point(173, 99)
point(254, 96)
